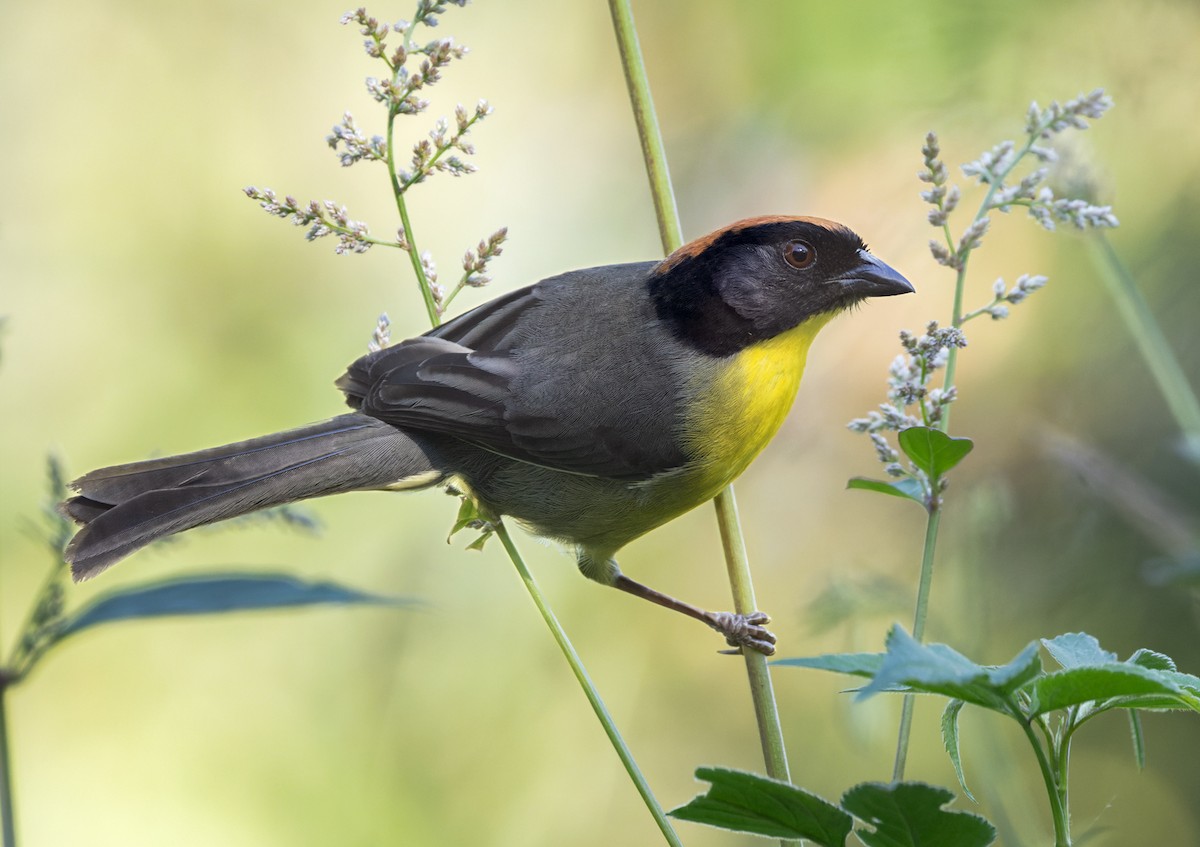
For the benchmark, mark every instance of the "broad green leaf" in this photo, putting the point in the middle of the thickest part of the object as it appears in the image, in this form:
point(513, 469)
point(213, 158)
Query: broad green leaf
point(939, 669)
point(855, 664)
point(908, 488)
point(1146, 680)
point(932, 450)
point(1139, 743)
point(1128, 686)
point(950, 742)
point(207, 595)
point(910, 814)
point(1077, 649)
point(746, 802)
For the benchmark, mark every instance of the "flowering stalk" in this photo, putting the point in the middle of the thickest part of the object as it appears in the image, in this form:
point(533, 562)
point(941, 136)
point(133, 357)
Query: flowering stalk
point(922, 432)
point(444, 151)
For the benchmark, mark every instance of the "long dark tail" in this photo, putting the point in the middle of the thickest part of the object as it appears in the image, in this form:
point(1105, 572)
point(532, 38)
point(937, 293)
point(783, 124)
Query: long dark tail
point(125, 507)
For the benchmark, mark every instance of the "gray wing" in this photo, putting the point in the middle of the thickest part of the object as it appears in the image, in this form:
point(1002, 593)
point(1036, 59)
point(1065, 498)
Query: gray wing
point(514, 377)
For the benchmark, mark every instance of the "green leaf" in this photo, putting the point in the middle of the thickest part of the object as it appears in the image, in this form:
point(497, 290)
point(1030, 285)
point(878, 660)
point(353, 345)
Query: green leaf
point(932, 450)
point(908, 488)
point(1151, 660)
point(1139, 743)
point(1127, 686)
point(855, 664)
point(1185, 681)
point(950, 742)
point(910, 814)
point(470, 517)
point(939, 669)
point(1077, 650)
point(746, 802)
point(214, 594)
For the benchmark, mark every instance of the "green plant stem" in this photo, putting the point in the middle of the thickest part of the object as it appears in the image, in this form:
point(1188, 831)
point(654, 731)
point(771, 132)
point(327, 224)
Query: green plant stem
point(589, 688)
point(957, 319)
point(1152, 343)
point(1063, 765)
point(919, 617)
point(8, 828)
point(1062, 823)
point(539, 600)
point(741, 584)
point(414, 255)
point(653, 152)
point(770, 730)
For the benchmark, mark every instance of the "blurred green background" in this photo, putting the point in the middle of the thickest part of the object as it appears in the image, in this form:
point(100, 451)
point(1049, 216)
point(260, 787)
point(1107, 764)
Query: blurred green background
point(152, 308)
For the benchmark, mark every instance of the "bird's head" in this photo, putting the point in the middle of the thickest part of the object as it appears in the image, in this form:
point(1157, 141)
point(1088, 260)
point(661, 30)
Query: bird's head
point(754, 279)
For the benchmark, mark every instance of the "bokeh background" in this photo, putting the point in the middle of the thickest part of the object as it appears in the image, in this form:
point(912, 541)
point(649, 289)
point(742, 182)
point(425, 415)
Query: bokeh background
point(151, 308)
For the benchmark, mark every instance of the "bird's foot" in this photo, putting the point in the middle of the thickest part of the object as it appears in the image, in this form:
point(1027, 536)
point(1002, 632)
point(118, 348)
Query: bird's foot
point(743, 631)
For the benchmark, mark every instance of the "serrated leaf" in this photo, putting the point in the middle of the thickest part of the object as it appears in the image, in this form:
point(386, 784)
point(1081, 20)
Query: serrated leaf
point(910, 814)
point(950, 742)
point(939, 669)
point(208, 595)
point(1151, 660)
point(908, 488)
point(1077, 649)
point(932, 450)
point(747, 802)
point(855, 664)
point(1127, 686)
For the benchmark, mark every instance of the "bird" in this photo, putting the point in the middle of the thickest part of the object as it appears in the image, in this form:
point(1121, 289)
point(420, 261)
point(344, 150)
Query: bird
point(590, 407)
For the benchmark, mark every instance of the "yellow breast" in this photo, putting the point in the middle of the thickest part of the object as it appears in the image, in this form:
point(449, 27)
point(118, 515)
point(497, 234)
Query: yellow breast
point(743, 405)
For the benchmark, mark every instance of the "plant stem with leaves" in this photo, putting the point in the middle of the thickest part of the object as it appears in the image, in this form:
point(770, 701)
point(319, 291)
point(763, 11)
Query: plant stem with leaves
point(910, 377)
point(437, 154)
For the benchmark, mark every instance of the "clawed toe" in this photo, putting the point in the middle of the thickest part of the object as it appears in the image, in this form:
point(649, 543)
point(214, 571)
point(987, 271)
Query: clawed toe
point(742, 631)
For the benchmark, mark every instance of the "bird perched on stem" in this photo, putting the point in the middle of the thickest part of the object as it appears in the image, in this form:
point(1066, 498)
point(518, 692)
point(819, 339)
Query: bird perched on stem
point(591, 407)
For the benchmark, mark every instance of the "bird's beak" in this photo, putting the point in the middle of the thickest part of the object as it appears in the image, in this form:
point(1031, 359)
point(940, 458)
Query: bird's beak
point(872, 278)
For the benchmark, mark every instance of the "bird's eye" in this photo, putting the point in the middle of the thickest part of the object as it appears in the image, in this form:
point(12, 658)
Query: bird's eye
point(799, 254)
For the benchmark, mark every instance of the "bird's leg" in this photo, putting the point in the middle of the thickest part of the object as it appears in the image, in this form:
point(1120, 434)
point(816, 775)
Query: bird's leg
point(740, 631)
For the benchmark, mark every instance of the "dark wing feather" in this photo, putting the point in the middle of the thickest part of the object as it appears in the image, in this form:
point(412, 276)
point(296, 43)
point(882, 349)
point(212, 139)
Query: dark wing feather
point(491, 378)
point(491, 327)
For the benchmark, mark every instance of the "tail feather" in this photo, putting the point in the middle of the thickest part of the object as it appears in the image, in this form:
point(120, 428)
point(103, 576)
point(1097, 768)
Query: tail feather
point(125, 507)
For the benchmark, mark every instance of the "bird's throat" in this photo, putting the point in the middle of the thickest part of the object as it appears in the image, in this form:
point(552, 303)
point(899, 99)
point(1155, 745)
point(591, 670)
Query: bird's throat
point(746, 403)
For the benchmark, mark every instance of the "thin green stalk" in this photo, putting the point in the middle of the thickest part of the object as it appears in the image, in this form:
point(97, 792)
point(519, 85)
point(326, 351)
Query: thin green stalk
point(589, 688)
point(957, 319)
point(653, 152)
point(770, 730)
point(1152, 344)
point(1063, 763)
point(414, 255)
point(8, 828)
point(560, 636)
point(919, 618)
point(1062, 823)
point(765, 709)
